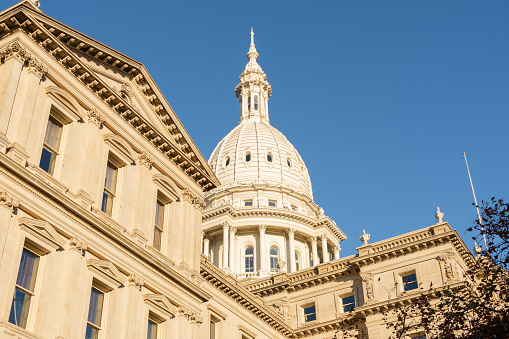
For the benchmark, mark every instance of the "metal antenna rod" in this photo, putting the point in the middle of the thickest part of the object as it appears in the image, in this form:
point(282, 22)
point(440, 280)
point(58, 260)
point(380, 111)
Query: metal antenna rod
point(475, 201)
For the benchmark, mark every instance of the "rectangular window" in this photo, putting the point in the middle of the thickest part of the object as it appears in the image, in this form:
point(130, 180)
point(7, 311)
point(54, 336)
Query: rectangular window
point(51, 145)
point(212, 329)
point(110, 183)
point(409, 282)
point(248, 202)
point(348, 303)
point(309, 313)
point(272, 203)
point(158, 226)
point(152, 329)
point(94, 314)
point(24, 290)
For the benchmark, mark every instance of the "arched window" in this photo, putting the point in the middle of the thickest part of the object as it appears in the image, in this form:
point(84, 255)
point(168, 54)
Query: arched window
point(227, 162)
point(248, 156)
point(274, 258)
point(297, 261)
point(269, 157)
point(288, 162)
point(256, 102)
point(249, 260)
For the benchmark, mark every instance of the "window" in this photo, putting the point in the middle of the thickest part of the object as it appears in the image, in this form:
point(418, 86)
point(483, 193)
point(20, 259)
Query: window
point(409, 282)
point(227, 162)
point(158, 226)
point(288, 162)
point(309, 313)
point(248, 203)
point(256, 102)
point(248, 157)
point(348, 303)
point(294, 208)
point(213, 330)
point(95, 311)
point(249, 255)
point(110, 183)
point(297, 261)
point(24, 290)
point(269, 157)
point(51, 145)
point(272, 203)
point(249, 102)
point(152, 329)
point(274, 258)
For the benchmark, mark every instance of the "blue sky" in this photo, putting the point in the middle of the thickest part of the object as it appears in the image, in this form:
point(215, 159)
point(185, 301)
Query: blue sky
point(380, 98)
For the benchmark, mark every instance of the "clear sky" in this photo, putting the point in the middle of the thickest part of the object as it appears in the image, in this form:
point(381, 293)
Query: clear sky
point(380, 98)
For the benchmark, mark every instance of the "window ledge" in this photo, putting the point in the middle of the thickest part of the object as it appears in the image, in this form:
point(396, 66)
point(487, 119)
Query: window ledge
point(15, 331)
point(48, 178)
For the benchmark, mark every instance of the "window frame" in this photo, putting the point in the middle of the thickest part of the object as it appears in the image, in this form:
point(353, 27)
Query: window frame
point(253, 259)
point(271, 201)
point(274, 269)
point(343, 305)
point(117, 165)
point(248, 202)
point(302, 316)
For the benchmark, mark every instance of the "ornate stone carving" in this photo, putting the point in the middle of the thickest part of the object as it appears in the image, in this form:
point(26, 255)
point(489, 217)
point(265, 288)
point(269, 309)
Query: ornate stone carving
point(78, 244)
point(225, 224)
point(8, 201)
point(290, 231)
point(365, 237)
point(448, 266)
point(439, 215)
point(18, 51)
point(367, 280)
point(190, 315)
point(95, 117)
point(262, 228)
point(146, 159)
point(193, 198)
point(135, 280)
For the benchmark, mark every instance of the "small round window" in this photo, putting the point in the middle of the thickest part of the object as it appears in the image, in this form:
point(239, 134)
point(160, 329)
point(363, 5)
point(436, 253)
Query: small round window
point(269, 157)
point(248, 157)
point(288, 162)
point(227, 162)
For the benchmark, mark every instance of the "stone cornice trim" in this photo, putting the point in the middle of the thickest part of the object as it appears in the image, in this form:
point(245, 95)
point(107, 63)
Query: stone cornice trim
point(228, 285)
point(59, 45)
point(154, 261)
point(17, 50)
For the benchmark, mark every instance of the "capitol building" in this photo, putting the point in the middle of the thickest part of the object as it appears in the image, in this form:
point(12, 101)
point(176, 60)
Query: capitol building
point(114, 225)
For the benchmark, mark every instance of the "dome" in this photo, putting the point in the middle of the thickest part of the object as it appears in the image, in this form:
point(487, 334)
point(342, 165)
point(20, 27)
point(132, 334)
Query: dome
point(256, 152)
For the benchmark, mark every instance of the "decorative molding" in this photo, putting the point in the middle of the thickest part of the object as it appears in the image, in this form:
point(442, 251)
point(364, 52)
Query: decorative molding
point(448, 267)
point(193, 198)
point(107, 270)
point(135, 280)
point(190, 315)
point(18, 51)
point(67, 101)
point(17, 153)
point(120, 148)
point(145, 159)
point(8, 201)
point(367, 281)
point(160, 303)
point(167, 187)
point(262, 228)
point(78, 244)
point(42, 230)
point(95, 117)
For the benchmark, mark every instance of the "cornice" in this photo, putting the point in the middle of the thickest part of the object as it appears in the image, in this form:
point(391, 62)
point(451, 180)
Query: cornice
point(60, 42)
point(93, 222)
point(250, 212)
point(229, 286)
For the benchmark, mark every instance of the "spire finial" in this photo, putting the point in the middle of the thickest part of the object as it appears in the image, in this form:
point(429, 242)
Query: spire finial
point(252, 54)
point(252, 37)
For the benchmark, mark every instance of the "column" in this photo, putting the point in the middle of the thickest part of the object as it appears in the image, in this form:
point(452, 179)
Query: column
point(314, 250)
point(291, 243)
point(232, 249)
point(261, 249)
point(206, 247)
point(337, 249)
point(226, 226)
point(325, 253)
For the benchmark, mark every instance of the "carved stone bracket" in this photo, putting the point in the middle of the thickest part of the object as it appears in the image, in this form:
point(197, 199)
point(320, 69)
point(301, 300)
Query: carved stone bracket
point(95, 117)
point(136, 281)
point(78, 244)
point(18, 51)
point(193, 198)
point(367, 281)
point(448, 267)
point(8, 201)
point(146, 159)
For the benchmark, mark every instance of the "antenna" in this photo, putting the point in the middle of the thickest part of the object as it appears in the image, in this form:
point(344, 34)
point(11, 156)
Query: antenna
point(475, 201)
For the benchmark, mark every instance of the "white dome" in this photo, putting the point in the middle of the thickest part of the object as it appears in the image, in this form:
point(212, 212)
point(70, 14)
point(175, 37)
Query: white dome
point(256, 152)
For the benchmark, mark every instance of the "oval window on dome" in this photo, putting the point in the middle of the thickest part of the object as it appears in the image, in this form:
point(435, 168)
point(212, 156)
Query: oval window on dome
point(269, 157)
point(248, 157)
point(227, 161)
point(289, 162)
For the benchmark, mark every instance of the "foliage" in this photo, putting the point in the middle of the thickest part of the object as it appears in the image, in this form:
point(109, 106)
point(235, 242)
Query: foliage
point(477, 307)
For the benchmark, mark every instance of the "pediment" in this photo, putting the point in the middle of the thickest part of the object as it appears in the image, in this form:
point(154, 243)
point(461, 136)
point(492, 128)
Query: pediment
point(42, 230)
point(160, 303)
point(167, 186)
point(120, 148)
point(107, 270)
point(66, 100)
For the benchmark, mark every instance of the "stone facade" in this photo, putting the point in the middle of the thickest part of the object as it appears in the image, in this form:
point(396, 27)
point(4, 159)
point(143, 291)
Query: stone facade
point(106, 205)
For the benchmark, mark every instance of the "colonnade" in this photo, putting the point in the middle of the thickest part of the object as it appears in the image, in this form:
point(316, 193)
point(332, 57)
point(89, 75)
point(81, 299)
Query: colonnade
point(228, 259)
